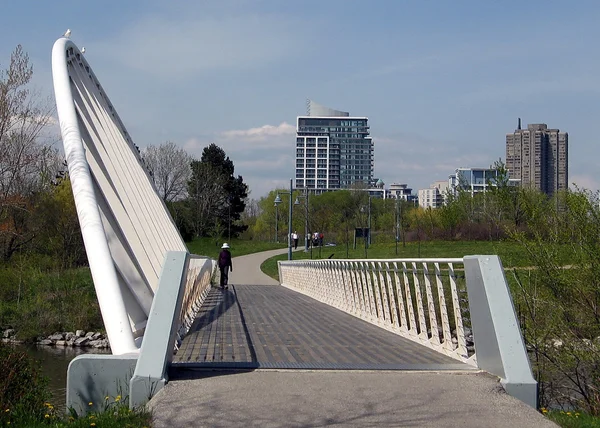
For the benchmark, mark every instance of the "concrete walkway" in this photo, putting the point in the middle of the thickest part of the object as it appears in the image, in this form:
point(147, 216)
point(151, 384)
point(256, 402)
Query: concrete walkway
point(348, 398)
point(246, 269)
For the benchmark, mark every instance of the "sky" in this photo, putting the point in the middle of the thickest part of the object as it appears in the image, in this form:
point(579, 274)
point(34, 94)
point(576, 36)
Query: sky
point(441, 82)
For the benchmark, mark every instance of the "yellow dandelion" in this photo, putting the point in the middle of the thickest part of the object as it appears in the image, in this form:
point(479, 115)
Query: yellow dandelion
point(106, 398)
point(576, 414)
point(118, 398)
point(569, 413)
point(46, 415)
point(92, 417)
point(7, 410)
point(544, 410)
point(46, 404)
point(90, 404)
point(93, 424)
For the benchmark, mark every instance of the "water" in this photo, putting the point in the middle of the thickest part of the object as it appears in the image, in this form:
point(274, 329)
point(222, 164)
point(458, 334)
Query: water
point(54, 363)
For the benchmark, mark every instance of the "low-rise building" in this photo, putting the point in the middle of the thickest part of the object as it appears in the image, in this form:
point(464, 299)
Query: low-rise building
point(434, 196)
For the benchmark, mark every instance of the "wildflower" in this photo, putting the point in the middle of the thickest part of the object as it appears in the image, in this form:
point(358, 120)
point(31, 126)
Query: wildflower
point(118, 398)
point(7, 410)
point(92, 417)
point(93, 424)
point(576, 414)
point(90, 404)
point(568, 413)
point(544, 411)
point(46, 415)
point(47, 404)
point(106, 398)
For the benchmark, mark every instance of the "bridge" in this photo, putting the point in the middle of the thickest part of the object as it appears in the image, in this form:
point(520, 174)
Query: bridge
point(358, 333)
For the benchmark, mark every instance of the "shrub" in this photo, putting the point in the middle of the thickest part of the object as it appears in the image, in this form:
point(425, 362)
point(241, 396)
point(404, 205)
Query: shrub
point(23, 389)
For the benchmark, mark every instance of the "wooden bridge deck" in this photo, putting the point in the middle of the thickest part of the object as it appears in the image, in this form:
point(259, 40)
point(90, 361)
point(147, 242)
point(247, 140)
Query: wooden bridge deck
point(254, 326)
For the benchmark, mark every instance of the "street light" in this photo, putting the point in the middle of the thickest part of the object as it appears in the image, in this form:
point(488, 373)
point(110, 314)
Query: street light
point(276, 218)
point(278, 201)
point(297, 202)
point(362, 209)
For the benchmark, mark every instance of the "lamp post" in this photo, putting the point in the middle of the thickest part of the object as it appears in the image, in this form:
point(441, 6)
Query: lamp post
point(297, 202)
point(278, 201)
point(397, 224)
point(369, 220)
point(276, 219)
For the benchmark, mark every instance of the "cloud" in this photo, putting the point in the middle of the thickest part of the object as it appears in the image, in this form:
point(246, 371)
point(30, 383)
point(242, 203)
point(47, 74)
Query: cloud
point(419, 161)
point(268, 134)
point(584, 181)
point(263, 155)
point(174, 48)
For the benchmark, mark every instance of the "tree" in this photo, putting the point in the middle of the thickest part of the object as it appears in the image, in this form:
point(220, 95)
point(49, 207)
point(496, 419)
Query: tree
point(559, 302)
point(169, 167)
point(27, 163)
point(217, 196)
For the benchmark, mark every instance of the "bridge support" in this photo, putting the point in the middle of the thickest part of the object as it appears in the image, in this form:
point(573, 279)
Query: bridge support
point(499, 345)
point(161, 332)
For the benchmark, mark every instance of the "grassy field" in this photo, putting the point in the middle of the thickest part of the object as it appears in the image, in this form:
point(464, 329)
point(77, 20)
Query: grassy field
point(210, 247)
point(511, 254)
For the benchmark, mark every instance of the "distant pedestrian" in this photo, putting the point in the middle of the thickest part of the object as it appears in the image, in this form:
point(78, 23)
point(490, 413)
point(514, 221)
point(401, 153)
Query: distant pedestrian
point(295, 238)
point(225, 265)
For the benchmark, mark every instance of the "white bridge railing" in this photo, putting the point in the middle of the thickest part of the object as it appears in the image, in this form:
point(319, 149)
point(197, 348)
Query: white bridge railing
point(459, 307)
point(423, 300)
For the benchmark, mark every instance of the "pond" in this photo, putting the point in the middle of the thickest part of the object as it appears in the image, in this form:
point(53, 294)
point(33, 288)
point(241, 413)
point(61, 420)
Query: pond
point(54, 363)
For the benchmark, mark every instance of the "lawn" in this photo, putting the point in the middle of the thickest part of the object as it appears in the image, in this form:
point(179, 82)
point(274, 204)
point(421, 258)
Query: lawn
point(211, 247)
point(512, 254)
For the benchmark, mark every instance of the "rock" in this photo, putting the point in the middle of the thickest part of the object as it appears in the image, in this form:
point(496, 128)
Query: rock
point(97, 336)
point(82, 341)
point(45, 342)
point(9, 332)
point(80, 333)
point(69, 335)
point(89, 334)
point(56, 336)
point(98, 343)
point(60, 343)
point(71, 342)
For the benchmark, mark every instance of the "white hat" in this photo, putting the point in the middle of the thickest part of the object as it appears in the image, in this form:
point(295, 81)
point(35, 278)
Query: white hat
point(225, 245)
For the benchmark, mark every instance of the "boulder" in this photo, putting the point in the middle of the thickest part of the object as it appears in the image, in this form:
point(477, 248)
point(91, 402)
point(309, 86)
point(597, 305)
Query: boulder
point(80, 333)
point(9, 332)
point(69, 335)
point(45, 342)
point(97, 336)
point(56, 336)
point(60, 343)
point(82, 341)
point(89, 334)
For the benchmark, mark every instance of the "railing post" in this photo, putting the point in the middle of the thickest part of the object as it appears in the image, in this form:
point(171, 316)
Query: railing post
point(499, 344)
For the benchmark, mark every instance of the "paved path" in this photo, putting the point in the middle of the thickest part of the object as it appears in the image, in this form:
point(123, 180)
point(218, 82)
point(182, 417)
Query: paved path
point(311, 398)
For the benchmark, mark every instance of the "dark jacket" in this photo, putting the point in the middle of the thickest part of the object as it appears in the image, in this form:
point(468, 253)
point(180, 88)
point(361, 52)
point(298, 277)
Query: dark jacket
point(225, 259)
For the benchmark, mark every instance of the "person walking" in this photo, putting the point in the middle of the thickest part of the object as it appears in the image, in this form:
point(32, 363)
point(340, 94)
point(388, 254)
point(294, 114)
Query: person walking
point(295, 238)
point(225, 265)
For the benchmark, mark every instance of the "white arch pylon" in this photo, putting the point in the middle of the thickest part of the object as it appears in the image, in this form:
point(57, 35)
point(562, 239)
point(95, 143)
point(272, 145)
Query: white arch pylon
point(126, 227)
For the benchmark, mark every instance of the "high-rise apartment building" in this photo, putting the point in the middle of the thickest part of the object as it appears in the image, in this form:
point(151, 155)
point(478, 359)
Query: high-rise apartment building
point(538, 157)
point(333, 149)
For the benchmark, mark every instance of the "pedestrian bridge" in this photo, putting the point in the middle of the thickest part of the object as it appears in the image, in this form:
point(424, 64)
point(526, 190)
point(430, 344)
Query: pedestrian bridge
point(164, 320)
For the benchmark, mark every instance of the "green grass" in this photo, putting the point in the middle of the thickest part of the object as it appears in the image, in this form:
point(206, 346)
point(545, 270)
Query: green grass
point(511, 254)
point(210, 247)
point(572, 419)
point(116, 415)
